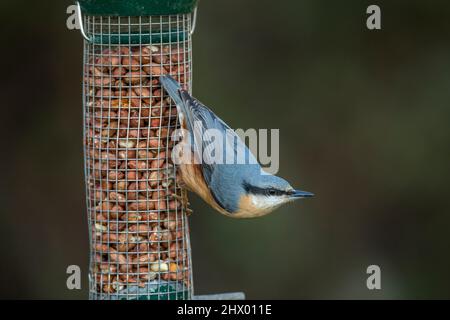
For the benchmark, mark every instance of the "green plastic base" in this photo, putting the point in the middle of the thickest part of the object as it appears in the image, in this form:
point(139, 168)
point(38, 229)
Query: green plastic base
point(136, 7)
point(166, 290)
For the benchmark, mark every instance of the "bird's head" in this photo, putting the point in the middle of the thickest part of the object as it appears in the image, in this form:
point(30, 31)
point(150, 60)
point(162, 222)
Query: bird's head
point(265, 192)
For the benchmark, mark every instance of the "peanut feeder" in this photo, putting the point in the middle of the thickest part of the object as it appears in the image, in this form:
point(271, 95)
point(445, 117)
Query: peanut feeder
point(137, 212)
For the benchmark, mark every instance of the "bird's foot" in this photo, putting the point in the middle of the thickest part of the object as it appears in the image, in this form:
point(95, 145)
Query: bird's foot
point(184, 201)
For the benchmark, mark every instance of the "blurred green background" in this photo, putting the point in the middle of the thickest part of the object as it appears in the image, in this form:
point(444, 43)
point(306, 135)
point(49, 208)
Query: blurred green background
point(364, 124)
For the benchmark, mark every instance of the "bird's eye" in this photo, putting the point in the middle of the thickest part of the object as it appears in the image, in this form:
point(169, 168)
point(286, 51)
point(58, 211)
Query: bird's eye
point(272, 192)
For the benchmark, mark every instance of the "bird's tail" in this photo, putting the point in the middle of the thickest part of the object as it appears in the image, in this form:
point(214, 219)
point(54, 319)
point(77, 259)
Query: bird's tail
point(175, 92)
point(173, 89)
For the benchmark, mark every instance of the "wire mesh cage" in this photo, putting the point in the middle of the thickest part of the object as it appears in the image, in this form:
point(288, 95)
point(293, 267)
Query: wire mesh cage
point(137, 211)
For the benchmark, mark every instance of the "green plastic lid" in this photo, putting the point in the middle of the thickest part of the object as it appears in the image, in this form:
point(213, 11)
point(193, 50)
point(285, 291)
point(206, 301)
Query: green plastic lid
point(136, 7)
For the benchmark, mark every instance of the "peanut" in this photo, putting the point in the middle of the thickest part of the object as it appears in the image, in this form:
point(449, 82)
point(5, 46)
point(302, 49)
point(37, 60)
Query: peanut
point(132, 77)
point(128, 116)
point(131, 63)
point(154, 70)
point(115, 212)
point(159, 266)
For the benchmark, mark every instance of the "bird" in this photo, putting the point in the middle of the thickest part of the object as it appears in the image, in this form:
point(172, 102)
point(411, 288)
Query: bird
point(238, 189)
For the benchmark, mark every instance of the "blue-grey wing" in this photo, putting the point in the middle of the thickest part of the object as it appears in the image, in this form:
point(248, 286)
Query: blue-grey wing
point(214, 141)
point(225, 159)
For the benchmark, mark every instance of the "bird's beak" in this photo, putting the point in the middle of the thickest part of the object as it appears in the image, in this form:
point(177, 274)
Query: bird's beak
point(300, 194)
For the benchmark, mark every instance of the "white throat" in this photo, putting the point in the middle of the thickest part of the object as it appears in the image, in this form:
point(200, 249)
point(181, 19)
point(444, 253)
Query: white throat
point(266, 203)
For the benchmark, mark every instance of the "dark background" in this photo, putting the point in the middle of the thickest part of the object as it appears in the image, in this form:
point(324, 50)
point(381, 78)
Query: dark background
point(364, 124)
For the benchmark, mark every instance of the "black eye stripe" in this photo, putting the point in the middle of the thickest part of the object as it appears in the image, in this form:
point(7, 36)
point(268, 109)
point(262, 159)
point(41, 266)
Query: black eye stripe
point(274, 192)
point(263, 191)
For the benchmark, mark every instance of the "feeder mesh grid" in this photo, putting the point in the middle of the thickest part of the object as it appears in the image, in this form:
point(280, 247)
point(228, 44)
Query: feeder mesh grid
point(139, 233)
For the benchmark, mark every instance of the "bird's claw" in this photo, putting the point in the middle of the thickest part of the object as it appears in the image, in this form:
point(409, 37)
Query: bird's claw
point(184, 201)
point(188, 212)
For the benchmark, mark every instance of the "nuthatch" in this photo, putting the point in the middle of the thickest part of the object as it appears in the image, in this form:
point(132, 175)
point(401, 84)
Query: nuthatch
point(239, 190)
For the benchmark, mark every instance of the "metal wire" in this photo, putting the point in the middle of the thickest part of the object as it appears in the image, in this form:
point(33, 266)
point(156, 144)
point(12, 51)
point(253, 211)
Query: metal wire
point(137, 212)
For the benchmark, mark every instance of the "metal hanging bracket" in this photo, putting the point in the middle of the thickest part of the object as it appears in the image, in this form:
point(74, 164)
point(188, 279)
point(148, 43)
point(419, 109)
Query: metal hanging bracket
point(80, 23)
point(194, 21)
